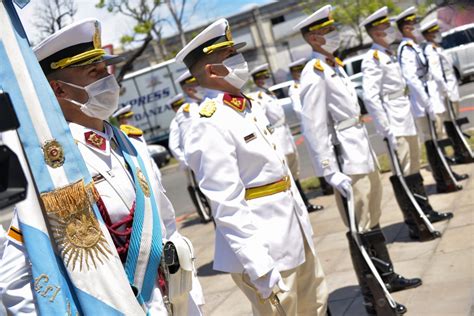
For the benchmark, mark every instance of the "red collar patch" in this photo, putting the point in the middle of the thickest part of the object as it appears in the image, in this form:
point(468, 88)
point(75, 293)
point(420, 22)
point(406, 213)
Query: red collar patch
point(238, 103)
point(95, 140)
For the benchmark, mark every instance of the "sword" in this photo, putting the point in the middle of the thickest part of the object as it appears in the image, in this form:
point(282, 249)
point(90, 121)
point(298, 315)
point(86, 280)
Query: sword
point(273, 298)
point(399, 173)
point(434, 138)
point(365, 255)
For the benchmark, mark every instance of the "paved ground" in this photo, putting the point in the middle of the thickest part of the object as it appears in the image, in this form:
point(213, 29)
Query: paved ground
point(446, 265)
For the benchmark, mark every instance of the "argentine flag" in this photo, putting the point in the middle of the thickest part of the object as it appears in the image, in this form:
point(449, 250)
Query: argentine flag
point(75, 267)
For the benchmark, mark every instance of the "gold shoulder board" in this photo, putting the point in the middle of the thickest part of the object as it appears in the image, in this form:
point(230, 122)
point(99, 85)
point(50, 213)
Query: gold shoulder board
point(131, 130)
point(376, 54)
point(318, 66)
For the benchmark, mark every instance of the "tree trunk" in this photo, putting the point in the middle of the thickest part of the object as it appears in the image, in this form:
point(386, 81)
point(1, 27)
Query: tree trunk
point(129, 63)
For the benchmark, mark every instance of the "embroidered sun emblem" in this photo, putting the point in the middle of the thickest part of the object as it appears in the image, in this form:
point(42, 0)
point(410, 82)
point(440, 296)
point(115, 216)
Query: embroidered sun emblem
point(75, 229)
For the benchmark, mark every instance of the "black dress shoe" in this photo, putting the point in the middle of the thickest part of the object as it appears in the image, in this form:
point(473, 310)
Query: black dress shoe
point(441, 188)
point(399, 283)
point(314, 208)
point(460, 177)
point(401, 309)
point(435, 217)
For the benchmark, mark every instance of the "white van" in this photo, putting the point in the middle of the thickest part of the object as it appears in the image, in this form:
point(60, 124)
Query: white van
point(148, 91)
point(458, 44)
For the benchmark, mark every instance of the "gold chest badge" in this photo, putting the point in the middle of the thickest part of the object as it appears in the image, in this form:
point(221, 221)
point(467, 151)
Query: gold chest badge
point(208, 109)
point(53, 153)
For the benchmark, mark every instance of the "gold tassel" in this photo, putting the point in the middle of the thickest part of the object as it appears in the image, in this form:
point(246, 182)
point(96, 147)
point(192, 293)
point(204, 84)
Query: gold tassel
point(69, 200)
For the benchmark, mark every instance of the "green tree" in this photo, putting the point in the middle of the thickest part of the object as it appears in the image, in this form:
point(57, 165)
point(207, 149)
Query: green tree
point(148, 26)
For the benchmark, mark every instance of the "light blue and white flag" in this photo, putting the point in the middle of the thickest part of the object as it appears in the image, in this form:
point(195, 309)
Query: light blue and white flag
point(75, 266)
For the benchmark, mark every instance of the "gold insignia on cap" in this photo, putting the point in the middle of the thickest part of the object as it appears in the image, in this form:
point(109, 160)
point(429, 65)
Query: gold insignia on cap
point(53, 153)
point(96, 39)
point(143, 183)
point(228, 33)
point(208, 108)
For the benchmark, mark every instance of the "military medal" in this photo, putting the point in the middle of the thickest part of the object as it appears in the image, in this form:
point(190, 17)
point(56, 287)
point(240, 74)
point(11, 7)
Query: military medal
point(143, 183)
point(53, 153)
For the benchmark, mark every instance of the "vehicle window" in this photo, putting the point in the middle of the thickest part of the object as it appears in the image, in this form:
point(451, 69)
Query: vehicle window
point(458, 38)
point(356, 66)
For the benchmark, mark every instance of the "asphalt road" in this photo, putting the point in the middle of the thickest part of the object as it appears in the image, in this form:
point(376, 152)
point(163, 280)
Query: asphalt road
point(175, 181)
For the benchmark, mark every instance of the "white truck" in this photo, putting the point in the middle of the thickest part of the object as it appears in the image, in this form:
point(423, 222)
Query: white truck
point(148, 91)
point(458, 44)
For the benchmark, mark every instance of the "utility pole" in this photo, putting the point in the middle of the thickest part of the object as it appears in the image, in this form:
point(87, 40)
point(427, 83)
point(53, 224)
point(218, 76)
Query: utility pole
point(257, 20)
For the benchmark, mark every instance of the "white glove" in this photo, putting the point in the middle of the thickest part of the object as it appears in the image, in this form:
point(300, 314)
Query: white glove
point(270, 283)
point(430, 112)
point(340, 181)
point(392, 139)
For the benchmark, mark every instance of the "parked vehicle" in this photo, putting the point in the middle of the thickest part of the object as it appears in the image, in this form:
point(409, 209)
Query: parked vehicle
point(281, 92)
point(160, 155)
point(458, 44)
point(148, 91)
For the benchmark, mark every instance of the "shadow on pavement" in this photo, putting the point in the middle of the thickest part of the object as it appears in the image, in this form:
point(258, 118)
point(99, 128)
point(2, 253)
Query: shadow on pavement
point(431, 189)
point(397, 232)
point(311, 194)
point(207, 270)
point(346, 301)
point(192, 222)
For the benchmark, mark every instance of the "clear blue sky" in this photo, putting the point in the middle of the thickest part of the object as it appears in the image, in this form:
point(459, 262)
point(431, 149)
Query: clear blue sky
point(114, 26)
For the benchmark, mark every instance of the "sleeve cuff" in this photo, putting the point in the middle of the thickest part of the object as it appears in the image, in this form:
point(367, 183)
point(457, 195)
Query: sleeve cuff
point(255, 260)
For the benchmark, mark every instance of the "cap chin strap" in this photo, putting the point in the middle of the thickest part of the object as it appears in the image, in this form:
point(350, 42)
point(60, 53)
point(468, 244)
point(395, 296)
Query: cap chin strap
point(320, 26)
point(212, 48)
point(89, 57)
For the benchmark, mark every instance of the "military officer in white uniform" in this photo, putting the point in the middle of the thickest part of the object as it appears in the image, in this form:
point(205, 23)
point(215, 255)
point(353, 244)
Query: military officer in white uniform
point(281, 131)
point(295, 68)
point(294, 90)
point(416, 71)
point(437, 87)
point(88, 95)
point(386, 100)
point(263, 232)
point(187, 110)
point(335, 133)
point(179, 124)
point(442, 68)
point(123, 115)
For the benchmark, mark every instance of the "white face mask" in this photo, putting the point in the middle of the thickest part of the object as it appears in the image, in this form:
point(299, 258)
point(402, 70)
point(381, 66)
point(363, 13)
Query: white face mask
point(103, 97)
point(438, 39)
point(238, 71)
point(390, 35)
point(332, 41)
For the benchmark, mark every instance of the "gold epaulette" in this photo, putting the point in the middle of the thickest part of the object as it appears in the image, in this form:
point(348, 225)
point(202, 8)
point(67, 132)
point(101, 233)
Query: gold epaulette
point(376, 55)
point(186, 107)
point(410, 44)
point(339, 62)
point(208, 108)
point(318, 66)
point(260, 94)
point(131, 130)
